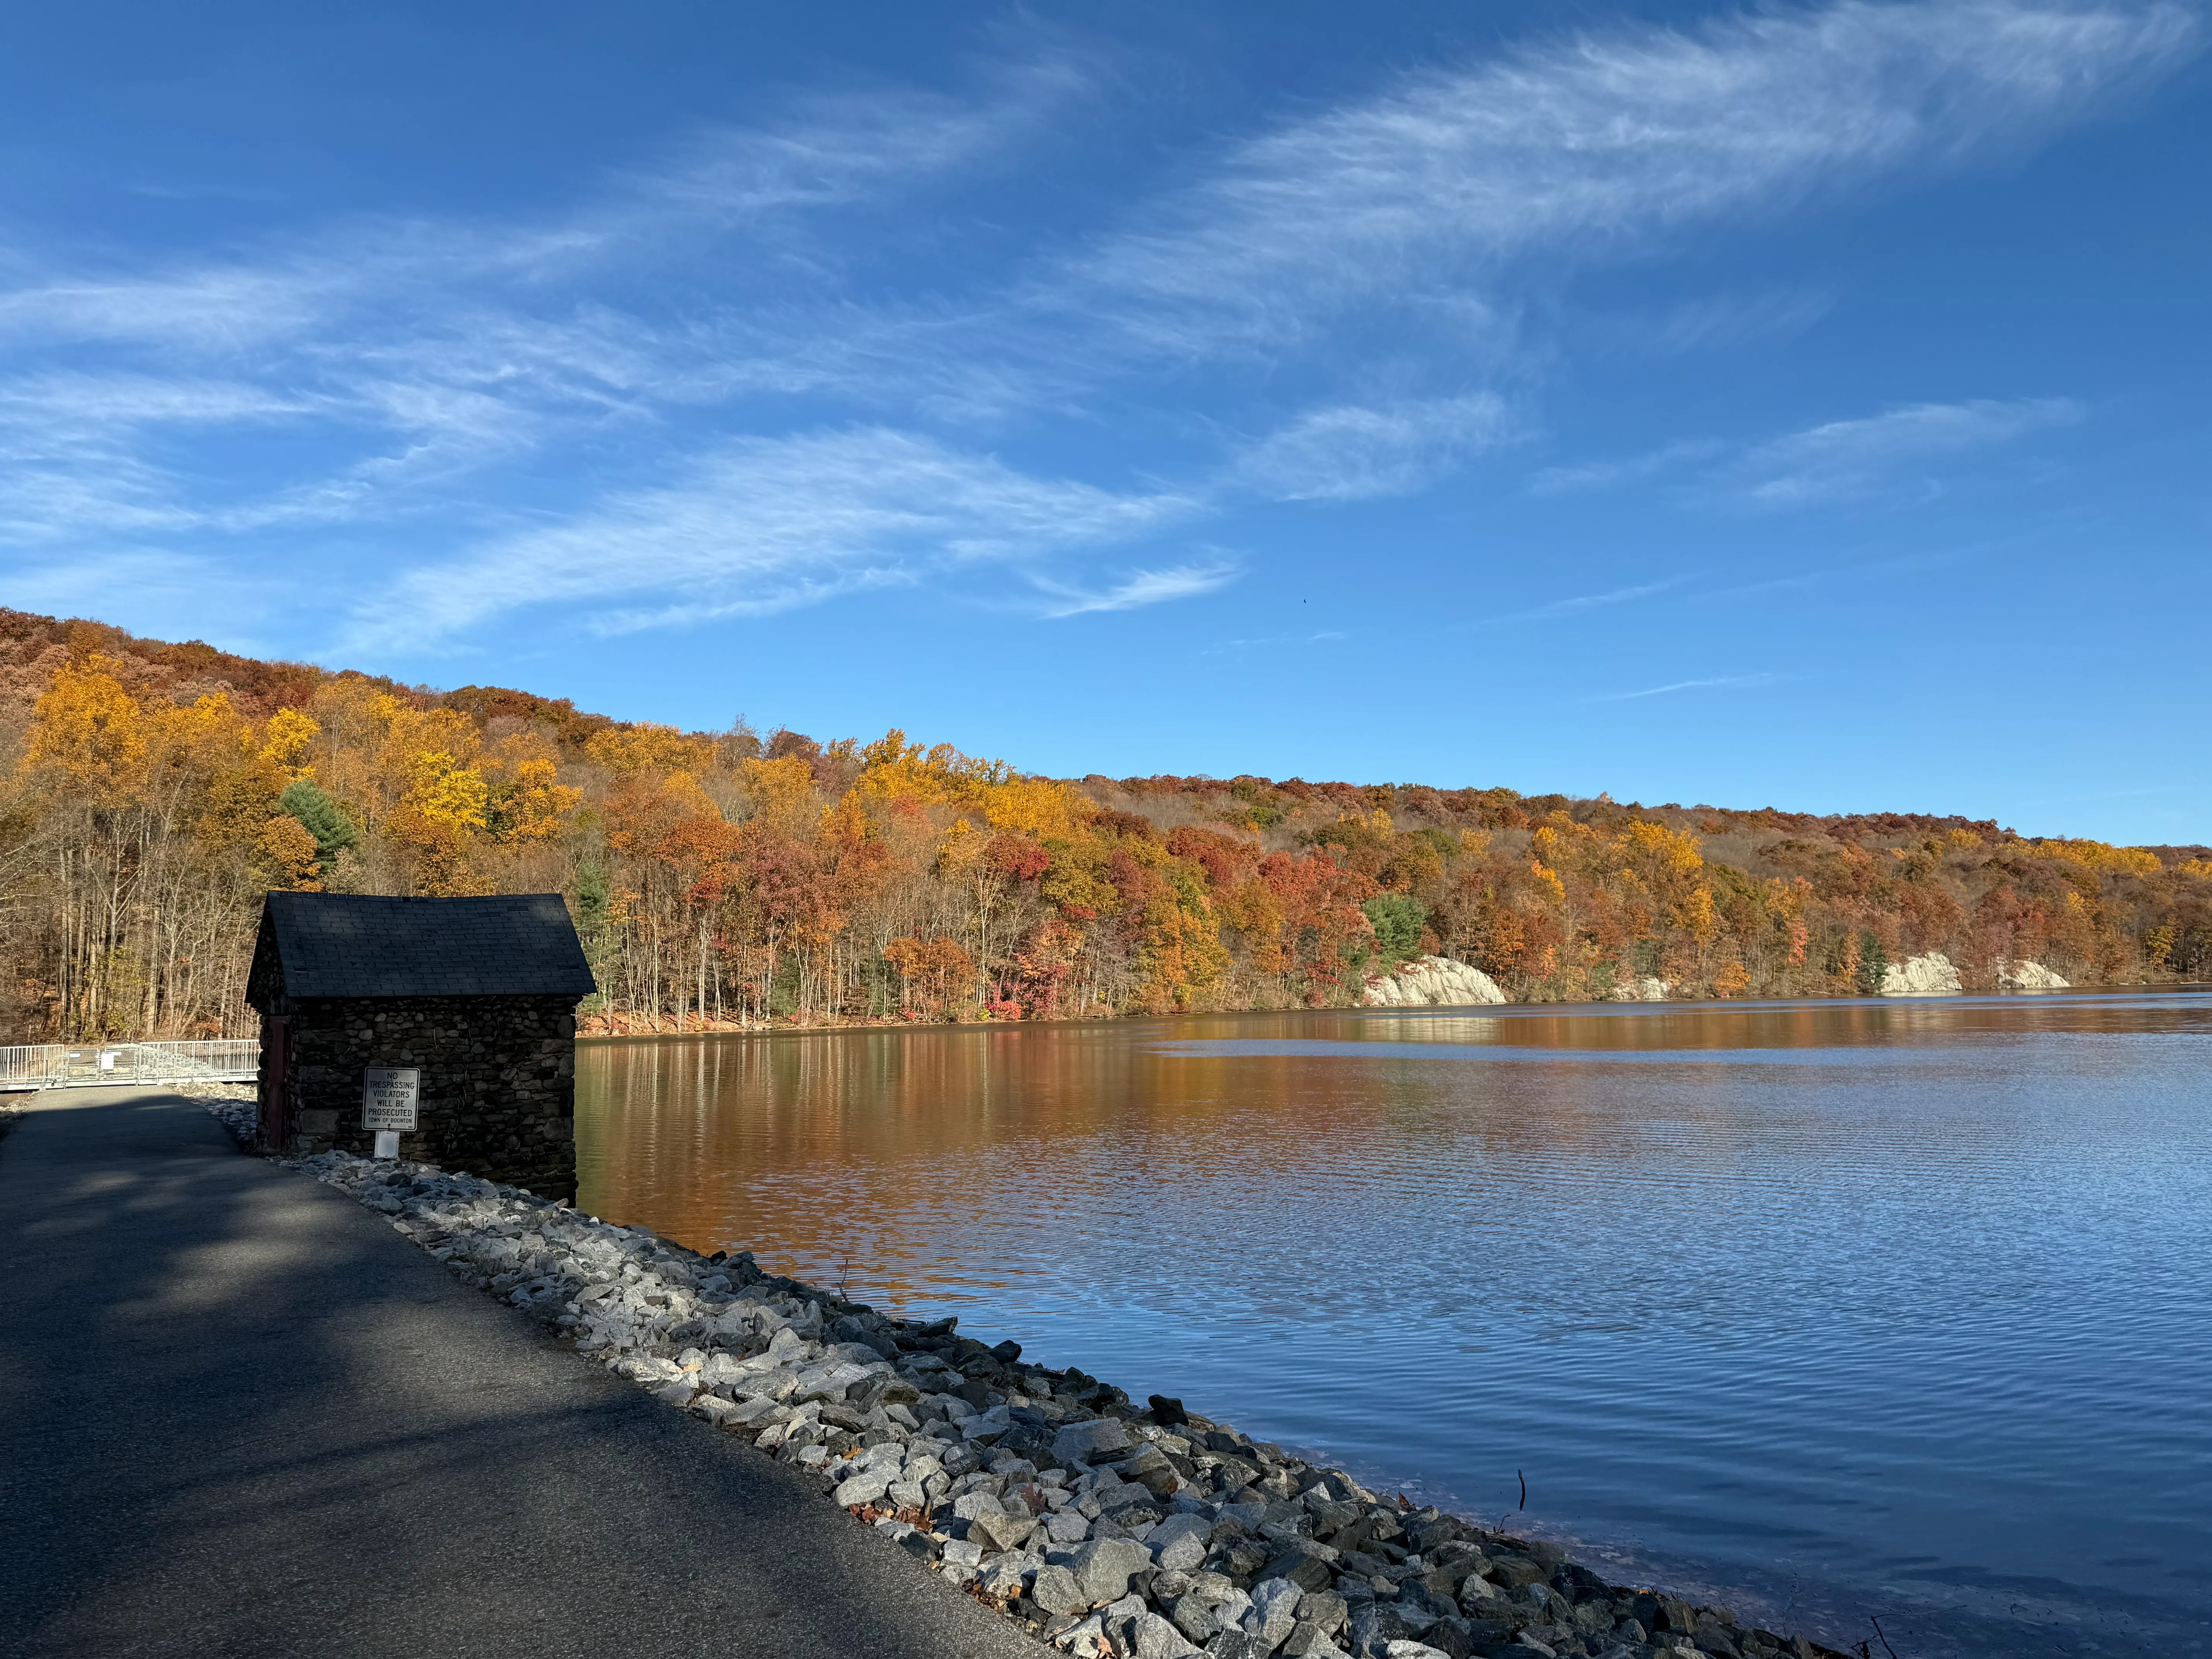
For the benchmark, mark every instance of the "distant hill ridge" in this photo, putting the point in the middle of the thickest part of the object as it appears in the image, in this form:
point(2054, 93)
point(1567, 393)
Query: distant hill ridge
point(730, 877)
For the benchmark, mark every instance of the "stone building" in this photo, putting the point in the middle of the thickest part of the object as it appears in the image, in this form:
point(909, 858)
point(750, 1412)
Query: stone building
point(475, 997)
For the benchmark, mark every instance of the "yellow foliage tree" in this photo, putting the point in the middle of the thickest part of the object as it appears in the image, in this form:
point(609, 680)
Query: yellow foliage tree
point(289, 848)
point(285, 740)
point(781, 792)
point(87, 732)
point(648, 747)
point(535, 805)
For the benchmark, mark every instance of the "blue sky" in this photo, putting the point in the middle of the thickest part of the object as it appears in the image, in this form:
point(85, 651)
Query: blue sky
point(1803, 405)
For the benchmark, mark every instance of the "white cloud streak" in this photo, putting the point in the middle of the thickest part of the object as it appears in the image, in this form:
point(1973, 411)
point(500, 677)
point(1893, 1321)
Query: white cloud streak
point(762, 524)
point(1144, 587)
point(1352, 452)
point(1576, 148)
point(1850, 460)
point(1898, 452)
point(1585, 602)
point(1729, 682)
point(1594, 476)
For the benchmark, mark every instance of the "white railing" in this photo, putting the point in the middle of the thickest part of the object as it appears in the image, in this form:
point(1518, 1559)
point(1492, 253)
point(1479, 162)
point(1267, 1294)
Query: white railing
point(111, 1065)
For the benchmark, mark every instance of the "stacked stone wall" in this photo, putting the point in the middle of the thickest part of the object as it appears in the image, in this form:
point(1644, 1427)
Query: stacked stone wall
point(498, 1090)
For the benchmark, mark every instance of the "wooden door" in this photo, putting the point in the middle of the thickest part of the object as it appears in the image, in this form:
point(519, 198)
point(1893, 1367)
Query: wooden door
point(274, 1133)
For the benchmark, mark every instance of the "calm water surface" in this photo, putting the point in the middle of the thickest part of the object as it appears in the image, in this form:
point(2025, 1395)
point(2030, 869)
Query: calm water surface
point(1827, 1310)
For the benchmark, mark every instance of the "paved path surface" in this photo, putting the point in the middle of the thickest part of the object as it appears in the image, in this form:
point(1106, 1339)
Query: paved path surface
point(241, 1415)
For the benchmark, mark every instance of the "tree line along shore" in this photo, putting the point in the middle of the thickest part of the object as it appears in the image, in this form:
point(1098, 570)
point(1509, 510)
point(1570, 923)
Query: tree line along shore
point(151, 793)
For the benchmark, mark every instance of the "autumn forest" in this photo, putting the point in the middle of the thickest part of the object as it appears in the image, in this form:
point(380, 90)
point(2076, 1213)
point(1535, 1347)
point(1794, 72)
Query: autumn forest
point(149, 793)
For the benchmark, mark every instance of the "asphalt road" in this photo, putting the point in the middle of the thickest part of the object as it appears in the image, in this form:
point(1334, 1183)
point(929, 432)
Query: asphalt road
point(241, 1415)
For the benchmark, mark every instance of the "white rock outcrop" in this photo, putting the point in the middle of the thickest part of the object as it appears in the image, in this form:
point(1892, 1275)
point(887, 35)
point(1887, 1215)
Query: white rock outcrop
point(1646, 989)
point(1931, 976)
point(2029, 976)
point(1433, 983)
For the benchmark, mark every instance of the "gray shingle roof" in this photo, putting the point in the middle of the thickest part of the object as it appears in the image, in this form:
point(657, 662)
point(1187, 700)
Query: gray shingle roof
point(347, 945)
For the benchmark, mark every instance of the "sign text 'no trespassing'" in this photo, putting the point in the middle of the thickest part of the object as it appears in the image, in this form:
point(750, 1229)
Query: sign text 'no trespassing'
point(388, 1095)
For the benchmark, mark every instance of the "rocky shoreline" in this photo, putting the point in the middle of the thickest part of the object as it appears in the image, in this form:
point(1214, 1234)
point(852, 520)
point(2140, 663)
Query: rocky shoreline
point(1102, 1527)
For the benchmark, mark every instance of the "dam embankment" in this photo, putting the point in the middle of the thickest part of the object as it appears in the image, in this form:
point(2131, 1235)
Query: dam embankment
point(1105, 1527)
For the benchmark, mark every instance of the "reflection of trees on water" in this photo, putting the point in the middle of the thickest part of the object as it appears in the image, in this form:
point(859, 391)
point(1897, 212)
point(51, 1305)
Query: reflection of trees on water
point(922, 1155)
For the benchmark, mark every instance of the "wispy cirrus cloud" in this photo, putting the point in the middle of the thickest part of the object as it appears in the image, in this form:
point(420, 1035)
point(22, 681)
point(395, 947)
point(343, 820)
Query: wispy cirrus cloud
point(1579, 603)
point(1597, 476)
point(762, 524)
point(1717, 683)
point(1600, 140)
point(1904, 451)
point(1357, 451)
point(1141, 588)
point(1849, 459)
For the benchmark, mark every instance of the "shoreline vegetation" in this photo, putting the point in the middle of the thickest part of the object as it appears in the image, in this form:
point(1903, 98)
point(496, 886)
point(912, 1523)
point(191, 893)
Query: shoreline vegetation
point(151, 793)
point(1108, 1529)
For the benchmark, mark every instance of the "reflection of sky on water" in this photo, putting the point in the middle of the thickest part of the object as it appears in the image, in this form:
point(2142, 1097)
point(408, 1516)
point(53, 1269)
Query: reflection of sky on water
point(1860, 1292)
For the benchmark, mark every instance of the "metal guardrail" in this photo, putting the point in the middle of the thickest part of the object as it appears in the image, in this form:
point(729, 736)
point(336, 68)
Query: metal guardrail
point(112, 1064)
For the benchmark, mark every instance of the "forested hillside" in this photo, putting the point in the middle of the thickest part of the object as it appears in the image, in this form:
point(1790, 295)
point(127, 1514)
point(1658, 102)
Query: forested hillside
point(149, 793)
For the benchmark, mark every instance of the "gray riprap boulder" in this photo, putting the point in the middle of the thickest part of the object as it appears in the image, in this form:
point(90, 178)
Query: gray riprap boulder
point(1149, 1467)
point(1067, 1526)
point(1090, 1441)
point(1104, 1566)
point(1454, 1638)
point(1375, 1625)
point(1112, 1495)
point(1515, 1572)
point(1487, 1636)
point(1274, 1610)
point(1308, 1640)
point(1305, 1563)
point(970, 1505)
point(1003, 1532)
point(1199, 1617)
point(1478, 1594)
point(1006, 1576)
point(1179, 1543)
point(1411, 1649)
point(775, 1385)
point(1236, 1644)
point(987, 1426)
point(721, 1368)
point(1325, 1608)
point(828, 1382)
point(1152, 1637)
point(1057, 1592)
point(862, 1488)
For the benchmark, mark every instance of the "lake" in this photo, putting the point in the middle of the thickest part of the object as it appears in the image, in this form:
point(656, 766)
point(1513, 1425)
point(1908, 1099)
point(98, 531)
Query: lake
point(1830, 1312)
